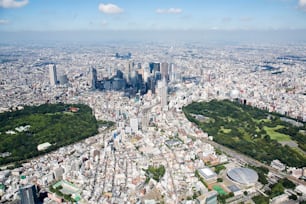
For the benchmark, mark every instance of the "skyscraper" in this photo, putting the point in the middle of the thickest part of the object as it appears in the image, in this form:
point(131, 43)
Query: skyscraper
point(163, 93)
point(164, 70)
point(28, 194)
point(52, 74)
point(172, 71)
point(154, 67)
point(92, 78)
point(130, 68)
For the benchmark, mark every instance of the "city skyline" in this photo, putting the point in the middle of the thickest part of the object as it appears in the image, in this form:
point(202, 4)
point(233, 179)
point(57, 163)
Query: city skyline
point(118, 15)
point(252, 98)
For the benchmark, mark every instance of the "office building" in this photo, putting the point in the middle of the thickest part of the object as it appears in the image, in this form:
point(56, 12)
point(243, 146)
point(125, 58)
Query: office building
point(164, 70)
point(52, 74)
point(62, 80)
point(154, 67)
point(28, 195)
point(211, 197)
point(172, 71)
point(163, 93)
point(92, 78)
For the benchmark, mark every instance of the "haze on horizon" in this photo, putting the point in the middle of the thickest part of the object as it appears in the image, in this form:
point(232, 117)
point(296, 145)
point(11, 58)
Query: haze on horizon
point(220, 20)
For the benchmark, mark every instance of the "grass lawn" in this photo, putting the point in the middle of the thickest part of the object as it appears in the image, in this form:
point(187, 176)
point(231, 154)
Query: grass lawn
point(266, 120)
point(298, 150)
point(224, 130)
point(276, 135)
point(219, 189)
point(250, 131)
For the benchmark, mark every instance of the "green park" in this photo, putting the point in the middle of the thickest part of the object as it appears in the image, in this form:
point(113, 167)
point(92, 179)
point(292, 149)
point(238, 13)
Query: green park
point(23, 130)
point(252, 131)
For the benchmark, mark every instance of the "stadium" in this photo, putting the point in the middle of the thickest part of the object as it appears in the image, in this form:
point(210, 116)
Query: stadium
point(243, 176)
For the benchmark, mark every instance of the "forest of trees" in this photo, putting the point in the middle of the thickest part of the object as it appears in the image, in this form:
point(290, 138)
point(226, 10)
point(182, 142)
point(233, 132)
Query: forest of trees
point(52, 123)
point(241, 127)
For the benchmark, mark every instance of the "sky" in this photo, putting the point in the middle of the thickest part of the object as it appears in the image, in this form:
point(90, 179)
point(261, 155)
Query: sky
point(227, 21)
point(97, 15)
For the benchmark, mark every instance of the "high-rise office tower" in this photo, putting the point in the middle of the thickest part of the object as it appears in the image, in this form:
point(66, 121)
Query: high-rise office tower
point(164, 70)
point(163, 91)
point(92, 78)
point(130, 68)
point(28, 195)
point(154, 67)
point(52, 74)
point(172, 70)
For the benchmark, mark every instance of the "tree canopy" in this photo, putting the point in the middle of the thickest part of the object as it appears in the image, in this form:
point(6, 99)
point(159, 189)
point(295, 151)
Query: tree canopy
point(53, 123)
point(250, 130)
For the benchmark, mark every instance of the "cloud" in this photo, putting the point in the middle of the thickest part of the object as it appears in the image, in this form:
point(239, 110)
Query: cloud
point(13, 3)
point(3, 21)
point(302, 4)
point(169, 11)
point(110, 8)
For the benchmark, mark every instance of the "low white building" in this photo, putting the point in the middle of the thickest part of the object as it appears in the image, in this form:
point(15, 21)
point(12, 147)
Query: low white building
point(278, 165)
point(43, 146)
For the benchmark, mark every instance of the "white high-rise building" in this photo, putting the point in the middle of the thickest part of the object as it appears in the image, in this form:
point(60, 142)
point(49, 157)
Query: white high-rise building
point(163, 93)
point(134, 124)
point(52, 74)
point(172, 72)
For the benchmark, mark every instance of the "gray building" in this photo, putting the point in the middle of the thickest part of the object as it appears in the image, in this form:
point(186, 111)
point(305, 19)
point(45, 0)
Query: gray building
point(52, 74)
point(28, 194)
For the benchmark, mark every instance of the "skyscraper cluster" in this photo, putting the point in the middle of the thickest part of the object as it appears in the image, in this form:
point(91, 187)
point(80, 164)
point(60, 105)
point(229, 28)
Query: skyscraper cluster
point(136, 78)
point(54, 78)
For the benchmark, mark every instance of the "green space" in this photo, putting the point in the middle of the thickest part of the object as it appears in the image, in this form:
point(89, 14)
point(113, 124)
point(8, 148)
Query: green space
point(276, 190)
point(249, 130)
point(222, 198)
point(260, 199)
point(274, 135)
point(52, 123)
point(103, 123)
point(219, 189)
point(224, 130)
point(219, 168)
point(66, 190)
point(155, 172)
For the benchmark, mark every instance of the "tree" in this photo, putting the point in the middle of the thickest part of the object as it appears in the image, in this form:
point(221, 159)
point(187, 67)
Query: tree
point(219, 180)
point(293, 197)
point(155, 172)
point(277, 189)
point(287, 183)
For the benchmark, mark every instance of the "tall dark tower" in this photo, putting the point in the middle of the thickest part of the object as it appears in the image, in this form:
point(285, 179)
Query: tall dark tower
point(93, 78)
point(28, 195)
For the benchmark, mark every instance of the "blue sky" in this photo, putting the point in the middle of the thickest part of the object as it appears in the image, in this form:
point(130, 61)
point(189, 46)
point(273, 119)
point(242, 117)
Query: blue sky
point(84, 15)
